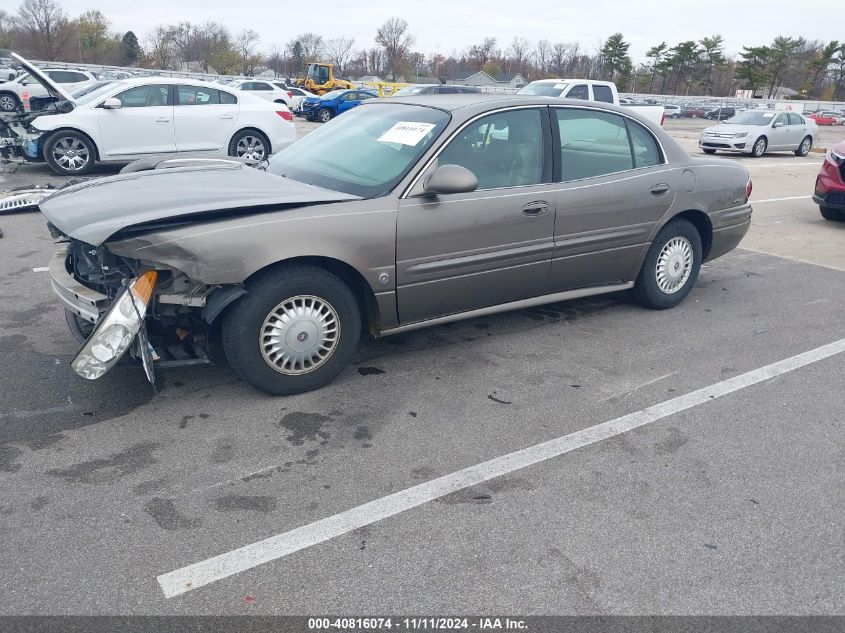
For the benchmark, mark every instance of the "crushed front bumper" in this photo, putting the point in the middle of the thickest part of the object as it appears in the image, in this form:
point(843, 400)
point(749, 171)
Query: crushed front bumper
point(80, 300)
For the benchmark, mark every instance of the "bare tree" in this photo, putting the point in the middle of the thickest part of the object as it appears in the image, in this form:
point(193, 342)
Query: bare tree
point(46, 25)
point(312, 46)
point(394, 37)
point(543, 53)
point(519, 52)
point(339, 51)
point(246, 46)
point(160, 46)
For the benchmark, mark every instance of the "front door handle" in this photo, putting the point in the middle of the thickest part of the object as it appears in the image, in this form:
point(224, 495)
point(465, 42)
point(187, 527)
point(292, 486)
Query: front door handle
point(536, 209)
point(227, 116)
point(659, 190)
point(162, 120)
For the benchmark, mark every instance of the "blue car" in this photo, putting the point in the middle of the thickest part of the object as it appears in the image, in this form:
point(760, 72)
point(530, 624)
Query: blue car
point(329, 105)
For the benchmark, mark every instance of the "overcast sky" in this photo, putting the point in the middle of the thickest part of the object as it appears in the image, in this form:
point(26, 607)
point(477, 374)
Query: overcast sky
point(447, 25)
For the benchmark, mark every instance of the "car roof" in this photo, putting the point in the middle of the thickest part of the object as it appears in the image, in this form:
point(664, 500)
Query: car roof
point(156, 79)
point(451, 102)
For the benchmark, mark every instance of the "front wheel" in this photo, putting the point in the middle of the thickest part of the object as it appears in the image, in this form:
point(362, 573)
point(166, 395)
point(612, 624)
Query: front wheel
point(834, 215)
point(671, 266)
point(324, 115)
point(70, 153)
point(250, 144)
point(759, 147)
point(805, 147)
point(294, 331)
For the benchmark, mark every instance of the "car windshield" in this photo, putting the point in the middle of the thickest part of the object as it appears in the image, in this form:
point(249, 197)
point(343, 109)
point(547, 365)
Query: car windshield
point(543, 89)
point(752, 117)
point(332, 94)
point(366, 152)
point(84, 90)
point(97, 92)
point(412, 90)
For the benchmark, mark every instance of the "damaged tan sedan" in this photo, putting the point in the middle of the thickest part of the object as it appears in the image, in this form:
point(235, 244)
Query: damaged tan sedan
point(401, 214)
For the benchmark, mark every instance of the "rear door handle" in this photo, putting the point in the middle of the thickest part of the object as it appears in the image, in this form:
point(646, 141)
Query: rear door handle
point(659, 190)
point(536, 209)
point(227, 116)
point(162, 120)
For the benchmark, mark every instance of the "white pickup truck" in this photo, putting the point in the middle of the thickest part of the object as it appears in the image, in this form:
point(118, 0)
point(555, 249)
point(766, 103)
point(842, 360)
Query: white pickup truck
point(590, 90)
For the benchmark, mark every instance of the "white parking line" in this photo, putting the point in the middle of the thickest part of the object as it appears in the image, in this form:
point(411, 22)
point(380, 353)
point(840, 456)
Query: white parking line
point(796, 164)
point(205, 572)
point(753, 202)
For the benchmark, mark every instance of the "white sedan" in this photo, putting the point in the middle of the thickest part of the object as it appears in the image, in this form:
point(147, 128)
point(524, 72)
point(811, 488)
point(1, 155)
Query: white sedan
point(136, 118)
point(264, 89)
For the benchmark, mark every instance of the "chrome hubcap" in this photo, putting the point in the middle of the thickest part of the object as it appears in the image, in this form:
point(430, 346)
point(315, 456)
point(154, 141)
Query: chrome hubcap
point(674, 265)
point(299, 335)
point(761, 145)
point(325, 115)
point(250, 147)
point(7, 103)
point(805, 146)
point(71, 153)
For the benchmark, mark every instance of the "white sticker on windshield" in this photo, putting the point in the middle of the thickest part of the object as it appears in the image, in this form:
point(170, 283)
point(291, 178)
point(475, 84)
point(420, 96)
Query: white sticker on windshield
point(768, 115)
point(560, 86)
point(406, 133)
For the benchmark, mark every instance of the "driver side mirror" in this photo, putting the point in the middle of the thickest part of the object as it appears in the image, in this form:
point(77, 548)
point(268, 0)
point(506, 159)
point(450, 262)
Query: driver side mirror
point(778, 124)
point(450, 179)
point(112, 103)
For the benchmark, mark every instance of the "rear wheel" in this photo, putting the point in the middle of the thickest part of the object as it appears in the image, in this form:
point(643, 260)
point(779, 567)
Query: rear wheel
point(759, 147)
point(671, 266)
point(9, 102)
point(249, 144)
point(805, 147)
point(294, 331)
point(834, 215)
point(70, 153)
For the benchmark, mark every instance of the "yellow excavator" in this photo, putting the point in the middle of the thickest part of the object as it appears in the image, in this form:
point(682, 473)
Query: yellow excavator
point(320, 79)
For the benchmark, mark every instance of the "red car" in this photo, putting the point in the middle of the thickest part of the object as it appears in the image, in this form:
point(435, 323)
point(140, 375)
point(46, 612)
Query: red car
point(823, 119)
point(830, 185)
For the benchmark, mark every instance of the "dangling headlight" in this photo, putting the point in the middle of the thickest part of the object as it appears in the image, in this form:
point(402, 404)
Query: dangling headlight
point(113, 336)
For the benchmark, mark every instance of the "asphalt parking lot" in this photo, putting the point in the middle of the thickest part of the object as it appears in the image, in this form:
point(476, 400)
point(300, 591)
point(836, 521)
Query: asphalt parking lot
point(729, 501)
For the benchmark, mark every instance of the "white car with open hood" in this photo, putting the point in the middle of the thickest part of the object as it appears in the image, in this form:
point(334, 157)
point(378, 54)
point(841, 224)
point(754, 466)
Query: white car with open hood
point(137, 118)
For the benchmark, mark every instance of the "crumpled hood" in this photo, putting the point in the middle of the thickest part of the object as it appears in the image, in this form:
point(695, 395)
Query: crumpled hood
point(95, 210)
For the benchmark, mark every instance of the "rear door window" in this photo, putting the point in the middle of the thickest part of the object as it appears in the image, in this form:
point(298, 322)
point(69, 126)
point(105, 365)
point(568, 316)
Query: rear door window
point(602, 93)
point(227, 98)
point(795, 119)
point(197, 95)
point(644, 146)
point(592, 143)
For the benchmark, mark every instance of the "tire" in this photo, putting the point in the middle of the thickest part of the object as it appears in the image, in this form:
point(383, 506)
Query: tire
point(677, 247)
point(708, 151)
point(324, 115)
point(9, 102)
point(79, 328)
point(250, 144)
point(804, 148)
point(834, 215)
point(276, 368)
point(759, 147)
point(70, 153)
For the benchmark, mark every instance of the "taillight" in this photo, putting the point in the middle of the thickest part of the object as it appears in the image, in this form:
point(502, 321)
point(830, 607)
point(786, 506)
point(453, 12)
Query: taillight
point(290, 95)
point(285, 114)
point(748, 189)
